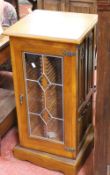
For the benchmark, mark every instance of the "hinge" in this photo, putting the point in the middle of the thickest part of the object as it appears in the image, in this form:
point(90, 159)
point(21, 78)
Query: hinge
point(70, 149)
point(69, 54)
point(108, 169)
point(21, 99)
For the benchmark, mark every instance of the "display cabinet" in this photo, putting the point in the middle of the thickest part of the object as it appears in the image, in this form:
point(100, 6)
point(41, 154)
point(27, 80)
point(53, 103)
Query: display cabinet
point(53, 78)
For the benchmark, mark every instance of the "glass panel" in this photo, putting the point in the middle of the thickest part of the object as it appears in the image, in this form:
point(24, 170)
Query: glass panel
point(54, 94)
point(44, 87)
point(35, 96)
point(54, 130)
point(52, 127)
point(53, 69)
point(37, 125)
point(51, 131)
point(33, 66)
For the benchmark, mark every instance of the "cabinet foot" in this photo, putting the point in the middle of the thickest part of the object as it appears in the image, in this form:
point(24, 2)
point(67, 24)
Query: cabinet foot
point(70, 173)
point(53, 162)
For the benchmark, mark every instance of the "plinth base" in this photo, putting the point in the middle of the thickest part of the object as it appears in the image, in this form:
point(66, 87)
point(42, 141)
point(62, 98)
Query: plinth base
point(53, 162)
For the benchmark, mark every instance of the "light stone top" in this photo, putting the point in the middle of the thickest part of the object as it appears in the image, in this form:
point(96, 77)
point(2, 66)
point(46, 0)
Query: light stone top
point(54, 26)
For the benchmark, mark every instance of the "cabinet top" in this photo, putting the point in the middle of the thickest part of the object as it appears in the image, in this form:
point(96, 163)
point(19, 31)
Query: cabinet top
point(66, 27)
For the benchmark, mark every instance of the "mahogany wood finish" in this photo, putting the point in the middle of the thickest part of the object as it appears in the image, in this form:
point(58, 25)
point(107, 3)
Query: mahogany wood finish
point(51, 5)
point(82, 6)
point(47, 63)
point(102, 129)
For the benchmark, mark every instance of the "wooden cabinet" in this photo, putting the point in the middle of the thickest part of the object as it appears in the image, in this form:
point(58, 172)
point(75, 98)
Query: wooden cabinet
point(82, 6)
point(53, 72)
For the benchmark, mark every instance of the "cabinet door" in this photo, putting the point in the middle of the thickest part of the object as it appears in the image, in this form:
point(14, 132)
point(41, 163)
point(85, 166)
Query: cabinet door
point(45, 90)
point(51, 5)
point(81, 6)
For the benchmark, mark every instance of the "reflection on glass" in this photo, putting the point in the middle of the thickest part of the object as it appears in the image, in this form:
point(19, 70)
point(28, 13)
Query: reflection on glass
point(44, 87)
point(33, 66)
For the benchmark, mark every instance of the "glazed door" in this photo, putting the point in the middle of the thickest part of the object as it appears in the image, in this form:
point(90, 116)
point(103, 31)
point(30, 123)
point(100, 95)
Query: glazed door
point(46, 98)
point(43, 76)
